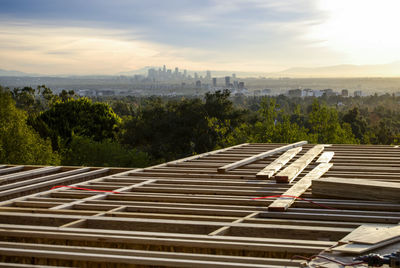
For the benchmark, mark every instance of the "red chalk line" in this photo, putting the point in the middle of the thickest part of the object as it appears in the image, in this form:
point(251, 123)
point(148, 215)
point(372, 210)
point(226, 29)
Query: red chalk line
point(84, 189)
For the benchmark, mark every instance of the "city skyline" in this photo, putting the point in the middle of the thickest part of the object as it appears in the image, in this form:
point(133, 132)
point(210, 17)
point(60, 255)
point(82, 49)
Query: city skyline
point(263, 36)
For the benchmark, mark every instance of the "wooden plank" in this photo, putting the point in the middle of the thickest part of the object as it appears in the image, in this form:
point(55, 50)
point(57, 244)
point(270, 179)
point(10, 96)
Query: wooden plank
point(356, 248)
point(282, 204)
point(122, 259)
point(356, 189)
point(28, 173)
point(223, 230)
point(378, 236)
point(148, 253)
point(294, 169)
point(11, 169)
point(259, 156)
point(102, 195)
point(19, 265)
point(14, 185)
point(57, 181)
point(278, 163)
point(325, 157)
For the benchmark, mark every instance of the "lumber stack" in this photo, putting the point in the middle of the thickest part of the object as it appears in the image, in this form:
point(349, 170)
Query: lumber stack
point(293, 170)
point(278, 163)
point(356, 189)
point(368, 237)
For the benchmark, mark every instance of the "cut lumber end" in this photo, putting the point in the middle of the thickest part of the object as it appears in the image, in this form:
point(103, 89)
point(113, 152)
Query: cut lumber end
point(277, 209)
point(221, 170)
point(282, 179)
point(263, 176)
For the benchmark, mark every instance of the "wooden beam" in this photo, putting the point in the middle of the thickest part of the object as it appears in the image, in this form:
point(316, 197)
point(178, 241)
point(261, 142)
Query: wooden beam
point(28, 173)
point(278, 163)
point(11, 169)
point(259, 156)
point(294, 169)
point(149, 253)
point(282, 204)
point(14, 185)
point(375, 237)
point(325, 157)
point(357, 248)
point(102, 195)
point(53, 182)
point(356, 189)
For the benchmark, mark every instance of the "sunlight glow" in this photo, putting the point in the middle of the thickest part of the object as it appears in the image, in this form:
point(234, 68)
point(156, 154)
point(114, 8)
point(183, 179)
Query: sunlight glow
point(365, 30)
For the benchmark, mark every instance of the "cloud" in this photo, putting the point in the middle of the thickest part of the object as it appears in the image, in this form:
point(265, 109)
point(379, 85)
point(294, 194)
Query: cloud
point(98, 36)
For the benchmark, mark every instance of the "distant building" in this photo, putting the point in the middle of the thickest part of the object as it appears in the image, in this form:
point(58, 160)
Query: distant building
point(198, 84)
point(241, 85)
point(357, 93)
point(208, 75)
point(234, 76)
point(345, 93)
point(227, 81)
point(214, 81)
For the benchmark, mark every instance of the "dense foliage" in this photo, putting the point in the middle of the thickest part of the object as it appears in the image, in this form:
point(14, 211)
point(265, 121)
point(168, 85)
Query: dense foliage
point(135, 132)
point(19, 143)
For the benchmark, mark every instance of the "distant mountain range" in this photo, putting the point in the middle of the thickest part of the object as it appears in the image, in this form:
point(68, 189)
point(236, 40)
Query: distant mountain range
point(344, 70)
point(15, 73)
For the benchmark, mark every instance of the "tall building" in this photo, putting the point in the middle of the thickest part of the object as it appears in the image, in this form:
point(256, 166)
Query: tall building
point(214, 81)
point(234, 76)
point(196, 76)
point(164, 68)
point(208, 75)
point(227, 81)
point(198, 84)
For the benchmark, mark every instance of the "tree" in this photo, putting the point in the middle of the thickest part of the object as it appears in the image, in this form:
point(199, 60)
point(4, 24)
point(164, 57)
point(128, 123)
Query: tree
point(357, 123)
point(79, 117)
point(19, 143)
point(83, 151)
point(325, 127)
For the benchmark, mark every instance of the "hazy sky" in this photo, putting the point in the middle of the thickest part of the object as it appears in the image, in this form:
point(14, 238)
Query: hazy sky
point(110, 36)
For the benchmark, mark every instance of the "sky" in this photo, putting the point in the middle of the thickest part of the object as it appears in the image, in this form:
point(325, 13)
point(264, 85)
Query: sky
point(106, 37)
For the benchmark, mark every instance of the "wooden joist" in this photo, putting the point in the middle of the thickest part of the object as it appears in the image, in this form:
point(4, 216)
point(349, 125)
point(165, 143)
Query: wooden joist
point(278, 163)
point(168, 210)
point(299, 188)
point(14, 187)
point(356, 189)
point(294, 169)
point(325, 157)
point(11, 169)
point(259, 156)
point(28, 173)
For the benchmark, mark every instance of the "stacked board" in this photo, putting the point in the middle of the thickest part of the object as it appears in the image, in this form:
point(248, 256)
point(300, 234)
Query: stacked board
point(192, 212)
